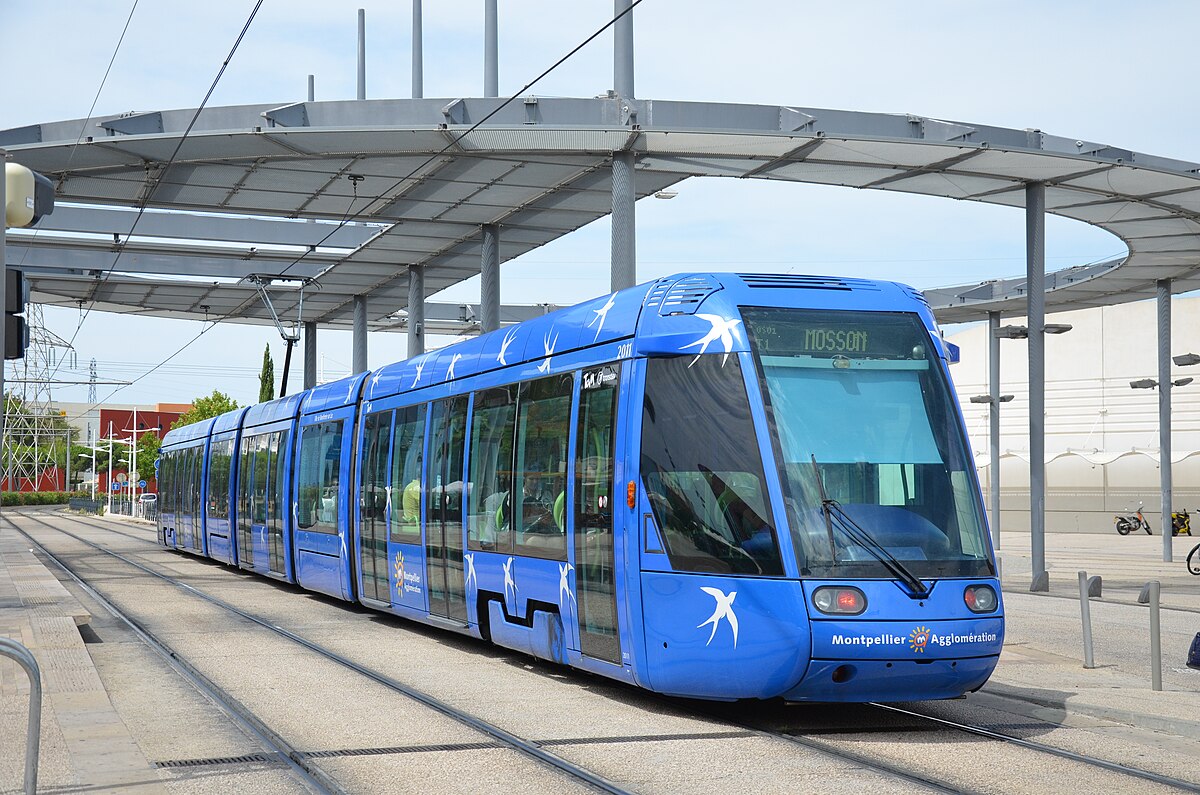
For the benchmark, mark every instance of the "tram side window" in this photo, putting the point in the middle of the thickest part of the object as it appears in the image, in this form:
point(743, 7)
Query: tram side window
point(189, 506)
point(320, 471)
point(276, 445)
point(489, 509)
point(245, 478)
point(258, 493)
point(702, 470)
point(185, 482)
point(172, 480)
point(219, 466)
point(373, 497)
point(198, 481)
point(543, 431)
point(164, 483)
point(408, 445)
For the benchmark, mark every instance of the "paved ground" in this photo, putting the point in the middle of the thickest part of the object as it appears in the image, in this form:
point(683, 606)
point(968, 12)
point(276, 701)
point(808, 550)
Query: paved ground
point(130, 712)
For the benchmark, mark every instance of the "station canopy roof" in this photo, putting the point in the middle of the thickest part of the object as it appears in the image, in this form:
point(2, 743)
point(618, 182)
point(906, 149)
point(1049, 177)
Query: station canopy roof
point(344, 196)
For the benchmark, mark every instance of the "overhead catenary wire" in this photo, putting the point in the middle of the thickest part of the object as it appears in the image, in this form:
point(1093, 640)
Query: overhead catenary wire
point(145, 202)
point(348, 217)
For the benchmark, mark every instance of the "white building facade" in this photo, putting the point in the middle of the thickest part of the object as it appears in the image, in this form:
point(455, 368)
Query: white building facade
point(1102, 436)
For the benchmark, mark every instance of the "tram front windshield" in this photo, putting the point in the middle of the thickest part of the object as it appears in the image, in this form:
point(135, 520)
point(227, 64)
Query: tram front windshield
point(861, 414)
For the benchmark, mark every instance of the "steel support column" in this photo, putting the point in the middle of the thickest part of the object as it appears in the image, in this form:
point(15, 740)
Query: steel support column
point(489, 279)
point(312, 88)
point(994, 424)
point(362, 53)
point(1035, 285)
point(359, 338)
point(418, 77)
point(624, 194)
point(491, 60)
point(623, 50)
point(624, 222)
point(1164, 410)
point(310, 355)
point(416, 310)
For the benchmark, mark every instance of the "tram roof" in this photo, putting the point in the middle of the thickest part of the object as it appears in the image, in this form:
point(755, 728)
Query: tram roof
point(260, 190)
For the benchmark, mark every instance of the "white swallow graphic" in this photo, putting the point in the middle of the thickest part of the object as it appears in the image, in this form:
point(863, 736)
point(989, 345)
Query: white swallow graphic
point(375, 380)
point(601, 314)
point(469, 559)
point(420, 367)
point(724, 609)
point(564, 587)
point(548, 344)
point(450, 369)
point(349, 390)
point(722, 330)
point(509, 582)
point(509, 336)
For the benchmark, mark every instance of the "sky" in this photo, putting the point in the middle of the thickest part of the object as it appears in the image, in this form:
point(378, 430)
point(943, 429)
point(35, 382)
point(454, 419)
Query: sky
point(1097, 71)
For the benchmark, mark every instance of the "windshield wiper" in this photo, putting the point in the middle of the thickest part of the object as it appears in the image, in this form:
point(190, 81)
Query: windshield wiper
point(834, 512)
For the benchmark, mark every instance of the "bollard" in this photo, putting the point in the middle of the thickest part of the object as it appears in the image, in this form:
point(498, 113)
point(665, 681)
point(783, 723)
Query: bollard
point(1095, 586)
point(1085, 613)
point(1155, 637)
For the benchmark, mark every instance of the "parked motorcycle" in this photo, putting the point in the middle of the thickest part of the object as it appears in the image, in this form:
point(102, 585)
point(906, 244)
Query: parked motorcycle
point(1181, 523)
point(1131, 524)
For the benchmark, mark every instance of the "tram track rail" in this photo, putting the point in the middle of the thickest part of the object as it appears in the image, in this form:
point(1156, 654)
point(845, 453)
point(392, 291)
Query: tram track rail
point(888, 770)
point(312, 773)
point(278, 748)
point(826, 745)
point(992, 734)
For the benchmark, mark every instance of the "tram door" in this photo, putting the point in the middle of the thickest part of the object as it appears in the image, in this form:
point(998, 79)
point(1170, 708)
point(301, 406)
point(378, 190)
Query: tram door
point(443, 510)
point(595, 558)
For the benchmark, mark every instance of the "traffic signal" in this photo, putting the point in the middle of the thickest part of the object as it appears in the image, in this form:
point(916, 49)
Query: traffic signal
point(27, 196)
point(16, 333)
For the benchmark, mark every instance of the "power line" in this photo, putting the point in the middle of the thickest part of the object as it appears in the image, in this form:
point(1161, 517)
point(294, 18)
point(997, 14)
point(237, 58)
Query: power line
point(144, 203)
point(349, 217)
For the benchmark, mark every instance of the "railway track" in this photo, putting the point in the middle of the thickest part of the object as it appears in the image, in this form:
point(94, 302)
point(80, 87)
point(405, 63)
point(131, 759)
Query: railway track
point(913, 721)
point(822, 741)
point(301, 762)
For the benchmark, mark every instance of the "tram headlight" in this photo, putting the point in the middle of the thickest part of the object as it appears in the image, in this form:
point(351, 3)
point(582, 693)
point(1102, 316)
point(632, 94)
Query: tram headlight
point(839, 600)
point(980, 598)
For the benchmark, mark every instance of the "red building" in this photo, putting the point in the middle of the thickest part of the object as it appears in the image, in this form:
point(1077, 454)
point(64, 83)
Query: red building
point(126, 422)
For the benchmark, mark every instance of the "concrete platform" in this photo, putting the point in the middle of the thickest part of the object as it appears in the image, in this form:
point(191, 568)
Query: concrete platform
point(93, 692)
point(84, 742)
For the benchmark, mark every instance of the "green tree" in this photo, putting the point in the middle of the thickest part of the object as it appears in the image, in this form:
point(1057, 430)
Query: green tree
point(266, 379)
point(204, 408)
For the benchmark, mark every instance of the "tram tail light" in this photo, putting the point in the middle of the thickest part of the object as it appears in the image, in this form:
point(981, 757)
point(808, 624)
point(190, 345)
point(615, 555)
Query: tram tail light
point(980, 598)
point(839, 600)
point(631, 494)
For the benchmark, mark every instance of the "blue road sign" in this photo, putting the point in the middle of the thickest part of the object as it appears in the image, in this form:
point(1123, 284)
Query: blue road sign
point(116, 486)
point(141, 484)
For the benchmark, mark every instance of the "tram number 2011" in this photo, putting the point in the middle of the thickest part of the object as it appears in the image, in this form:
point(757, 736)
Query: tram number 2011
point(625, 350)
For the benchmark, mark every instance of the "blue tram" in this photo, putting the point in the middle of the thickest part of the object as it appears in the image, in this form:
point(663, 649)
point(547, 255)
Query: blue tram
point(712, 485)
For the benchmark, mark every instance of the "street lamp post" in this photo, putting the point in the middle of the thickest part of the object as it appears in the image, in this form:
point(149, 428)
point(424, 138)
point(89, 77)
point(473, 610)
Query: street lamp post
point(1164, 434)
point(108, 496)
point(1040, 578)
point(92, 455)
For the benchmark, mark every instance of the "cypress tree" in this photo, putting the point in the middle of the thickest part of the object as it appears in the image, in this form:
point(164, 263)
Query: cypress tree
point(266, 379)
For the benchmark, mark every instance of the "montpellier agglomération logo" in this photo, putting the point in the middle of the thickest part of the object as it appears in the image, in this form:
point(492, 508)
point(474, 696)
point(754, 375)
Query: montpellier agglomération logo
point(918, 639)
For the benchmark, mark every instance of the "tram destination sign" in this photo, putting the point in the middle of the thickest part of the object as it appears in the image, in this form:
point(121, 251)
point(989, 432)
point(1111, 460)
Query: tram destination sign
point(826, 333)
